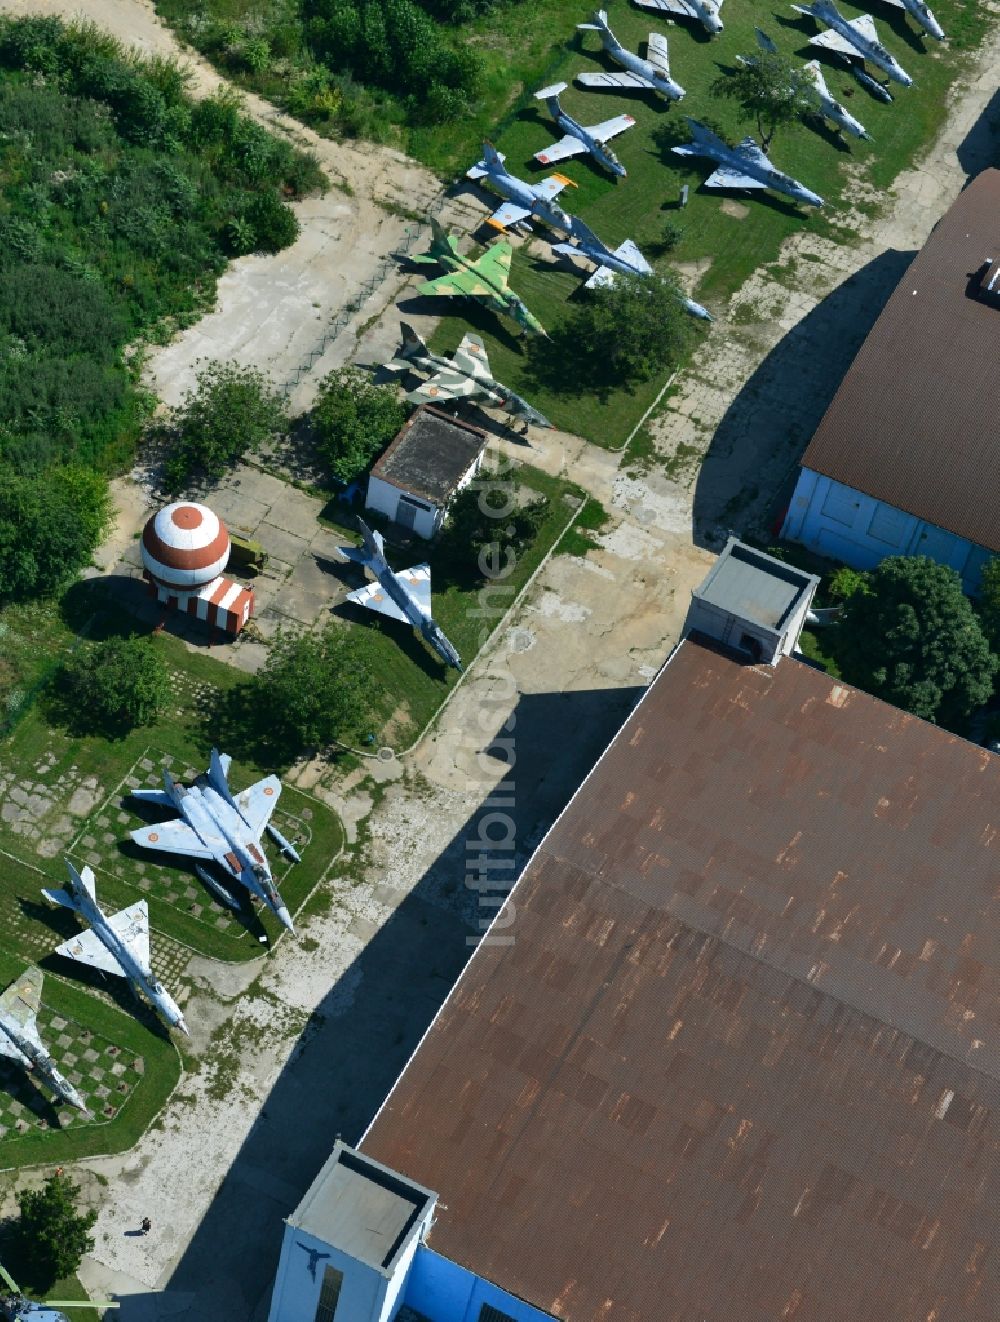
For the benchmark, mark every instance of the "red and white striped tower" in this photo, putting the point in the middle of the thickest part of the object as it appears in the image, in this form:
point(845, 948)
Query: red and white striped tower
point(185, 548)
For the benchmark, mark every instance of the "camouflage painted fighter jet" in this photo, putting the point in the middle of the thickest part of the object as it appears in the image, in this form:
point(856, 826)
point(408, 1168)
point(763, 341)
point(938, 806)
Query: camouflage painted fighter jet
point(466, 375)
point(578, 137)
point(652, 73)
point(482, 278)
point(19, 1040)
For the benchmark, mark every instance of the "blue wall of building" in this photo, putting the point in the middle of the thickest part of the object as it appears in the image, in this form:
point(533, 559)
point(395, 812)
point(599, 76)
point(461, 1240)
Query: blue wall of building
point(445, 1292)
point(837, 521)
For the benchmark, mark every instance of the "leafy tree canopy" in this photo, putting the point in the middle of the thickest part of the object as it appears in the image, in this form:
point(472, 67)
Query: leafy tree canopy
point(489, 521)
point(617, 336)
point(51, 1235)
point(915, 640)
point(353, 421)
point(114, 686)
point(232, 411)
point(989, 603)
point(770, 89)
point(50, 524)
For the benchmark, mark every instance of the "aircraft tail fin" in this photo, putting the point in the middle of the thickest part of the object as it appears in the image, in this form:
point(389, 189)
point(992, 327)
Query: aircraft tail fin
point(373, 541)
point(440, 238)
point(218, 773)
point(492, 161)
point(60, 897)
point(765, 42)
point(412, 343)
point(600, 23)
point(551, 93)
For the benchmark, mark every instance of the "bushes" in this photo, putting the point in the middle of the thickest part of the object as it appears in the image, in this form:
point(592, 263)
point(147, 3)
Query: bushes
point(232, 410)
point(353, 421)
point(49, 527)
point(112, 687)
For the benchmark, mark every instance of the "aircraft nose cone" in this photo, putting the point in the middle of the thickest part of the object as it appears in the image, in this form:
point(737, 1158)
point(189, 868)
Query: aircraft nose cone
point(183, 1026)
point(285, 919)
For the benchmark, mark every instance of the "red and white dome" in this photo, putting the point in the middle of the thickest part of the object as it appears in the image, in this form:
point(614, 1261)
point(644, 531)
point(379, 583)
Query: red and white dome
point(185, 546)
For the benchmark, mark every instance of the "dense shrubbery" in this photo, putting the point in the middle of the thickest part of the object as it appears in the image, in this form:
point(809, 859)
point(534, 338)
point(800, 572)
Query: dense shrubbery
point(353, 421)
point(49, 526)
point(120, 201)
point(489, 522)
point(113, 686)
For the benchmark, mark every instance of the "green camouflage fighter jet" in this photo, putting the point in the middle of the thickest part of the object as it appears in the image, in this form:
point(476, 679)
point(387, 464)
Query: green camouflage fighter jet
point(483, 278)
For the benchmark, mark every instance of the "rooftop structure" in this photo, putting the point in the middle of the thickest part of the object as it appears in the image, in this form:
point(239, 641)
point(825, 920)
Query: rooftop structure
point(906, 459)
point(426, 464)
point(742, 1056)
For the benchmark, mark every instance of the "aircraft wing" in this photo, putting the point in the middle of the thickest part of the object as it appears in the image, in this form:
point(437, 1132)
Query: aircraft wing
point(670, 7)
point(177, 837)
point(610, 128)
point(494, 264)
point(455, 282)
point(628, 251)
point(418, 583)
point(656, 53)
point(258, 802)
point(444, 385)
point(551, 187)
point(21, 1001)
point(726, 177)
point(509, 214)
point(559, 151)
point(374, 597)
point(471, 356)
point(865, 24)
point(131, 926)
point(87, 948)
point(612, 80)
point(834, 41)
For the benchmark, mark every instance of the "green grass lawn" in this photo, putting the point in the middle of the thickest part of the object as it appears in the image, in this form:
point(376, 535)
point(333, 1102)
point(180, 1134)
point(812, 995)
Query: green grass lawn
point(537, 43)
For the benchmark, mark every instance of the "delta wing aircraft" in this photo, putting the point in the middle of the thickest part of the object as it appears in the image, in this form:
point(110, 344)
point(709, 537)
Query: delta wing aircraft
point(118, 945)
point(854, 37)
point(526, 202)
point(922, 15)
point(581, 137)
point(466, 375)
point(652, 74)
point(742, 166)
point(404, 596)
point(19, 1039)
point(828, 107)
point(218, 826)
point(705, 11)
point(626, 259)
point(483, 278)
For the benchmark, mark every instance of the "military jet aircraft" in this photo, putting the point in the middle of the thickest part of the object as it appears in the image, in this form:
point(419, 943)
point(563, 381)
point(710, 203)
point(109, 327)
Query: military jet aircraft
point(483, 278)
point(117, 945)
point(525, 202)
point(742, 166)
point(19, 1040)
point(579, 137)
point(828, 107)
point(922, 15)
point(466, 375)
point(404, 596)
point(855, 37)
point(216, 825)
point(652, 73)
point(705, 11)
point(626, 259)
point(17, 1307)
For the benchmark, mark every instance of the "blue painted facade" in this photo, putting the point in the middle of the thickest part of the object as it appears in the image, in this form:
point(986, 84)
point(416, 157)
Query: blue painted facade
point(445, 1292)
point(837, 521)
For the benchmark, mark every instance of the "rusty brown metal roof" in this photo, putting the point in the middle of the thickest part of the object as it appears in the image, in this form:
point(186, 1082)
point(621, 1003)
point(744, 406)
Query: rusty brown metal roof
point(431, 454)
point(913, 422)
point(742, 1060)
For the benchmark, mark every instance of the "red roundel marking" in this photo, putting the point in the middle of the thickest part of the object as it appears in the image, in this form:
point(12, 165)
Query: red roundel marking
point(152, 837)
point(269, 790)
point(187, 516)
point(544, 160)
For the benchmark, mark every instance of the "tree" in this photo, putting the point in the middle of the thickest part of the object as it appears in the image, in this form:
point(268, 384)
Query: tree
point(49, 525)
point(989, 603)
point(114, 686)
point(914, 640)
point(232, 410)
point(771, 89)
point(314, 691)
point(487, 525)
point(353, 421)
point(616, 336)
point(51, 1236)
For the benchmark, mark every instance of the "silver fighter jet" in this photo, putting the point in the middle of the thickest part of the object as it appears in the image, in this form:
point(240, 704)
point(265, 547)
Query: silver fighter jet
point(742, 166)
point(855, 37)
point(626, 259)
point(19, 1040)
point(404, 596)
point(466, 375)
point(117, 945)
point(705, 11)
point(526, 202)
point(581, 137)
point(216, 825)
point(922, 15)
point(651, 74)
point(828, 107)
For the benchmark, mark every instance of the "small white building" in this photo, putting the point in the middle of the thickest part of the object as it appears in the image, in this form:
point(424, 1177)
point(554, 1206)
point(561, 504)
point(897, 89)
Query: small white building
point(906, 460)
point(431, 459)
point(752, 602)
